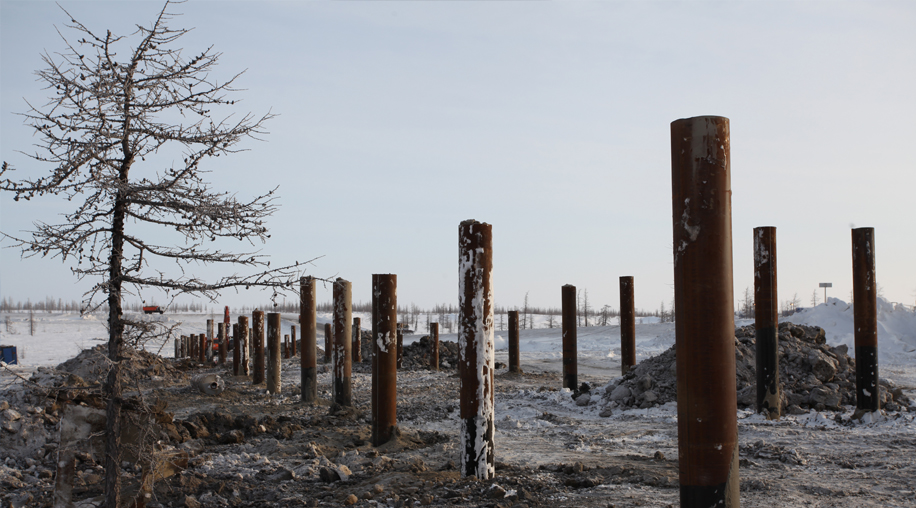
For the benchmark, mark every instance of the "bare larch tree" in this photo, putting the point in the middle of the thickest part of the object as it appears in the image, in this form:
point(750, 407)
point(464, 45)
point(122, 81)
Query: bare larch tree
point(116, 100)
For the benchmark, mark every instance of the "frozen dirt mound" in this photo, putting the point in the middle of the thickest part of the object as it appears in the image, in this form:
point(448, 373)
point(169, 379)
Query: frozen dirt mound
point(93, 365)
point(812, 374)
point(416, 355)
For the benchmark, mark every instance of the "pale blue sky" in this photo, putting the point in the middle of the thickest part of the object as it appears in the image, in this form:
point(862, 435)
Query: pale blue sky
point(548, 120)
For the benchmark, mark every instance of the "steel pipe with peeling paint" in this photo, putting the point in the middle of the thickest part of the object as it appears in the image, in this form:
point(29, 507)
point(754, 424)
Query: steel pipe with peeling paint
point(476, 349)
point(704, 310)
point(343, 361)
point(766, 322)
point(384, 357)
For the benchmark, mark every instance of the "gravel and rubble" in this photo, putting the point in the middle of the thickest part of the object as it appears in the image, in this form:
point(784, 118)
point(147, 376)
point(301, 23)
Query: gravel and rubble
point(812, 375)
point(248, 448)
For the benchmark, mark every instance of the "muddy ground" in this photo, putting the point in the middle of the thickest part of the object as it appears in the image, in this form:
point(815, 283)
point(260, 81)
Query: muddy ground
point(249, 449)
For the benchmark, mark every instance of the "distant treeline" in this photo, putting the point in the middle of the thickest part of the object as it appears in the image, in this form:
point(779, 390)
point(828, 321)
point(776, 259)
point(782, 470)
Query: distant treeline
point(445, 314)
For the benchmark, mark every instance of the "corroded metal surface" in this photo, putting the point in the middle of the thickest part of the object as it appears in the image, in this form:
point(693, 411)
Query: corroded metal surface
point(384, 357)
point(514, 360)
point(343, 314)
point(627, 324)
point(704, 317)
point(257, 319)
point(766, 321)
point(570, 337)
point(476, 349)
point(273, 352)
point(865, 314)
point(308, 360)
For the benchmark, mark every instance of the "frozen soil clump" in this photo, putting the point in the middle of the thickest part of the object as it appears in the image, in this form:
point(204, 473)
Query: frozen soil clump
point(812, 374)
point(416, 355)
point(92, 365)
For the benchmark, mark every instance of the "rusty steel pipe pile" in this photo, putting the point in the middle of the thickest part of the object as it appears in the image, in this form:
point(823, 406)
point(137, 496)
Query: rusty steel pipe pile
point(223, 338)
point(257, 332)
point(865, 316)
point(244, 351)
point(570, 336)
point(514, 361)
point(210, 337)
point(357, 340)
point(704, 310)
point(273, 352)
point(766, 322)
point(434, 342)
point(627, 324)
point(308, 360)
point(327, 342)
point(343, 315)
point(476, 349)
point(384, 357)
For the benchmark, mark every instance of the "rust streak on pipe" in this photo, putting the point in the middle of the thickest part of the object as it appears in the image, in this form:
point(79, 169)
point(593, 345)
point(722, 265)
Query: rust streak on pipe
point(434, 346)
point(384, 357)
point(865, 316)
point(309, 357)
point(273, 352)
point(343, 314)
point(476, 349)
point(257, 318)
point(357, 340)
point(514, 360)
point(766, 322)
point(704, 309)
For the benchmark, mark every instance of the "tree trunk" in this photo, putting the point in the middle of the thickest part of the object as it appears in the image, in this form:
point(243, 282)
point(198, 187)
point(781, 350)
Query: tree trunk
point(116, 327)
point(115, 344)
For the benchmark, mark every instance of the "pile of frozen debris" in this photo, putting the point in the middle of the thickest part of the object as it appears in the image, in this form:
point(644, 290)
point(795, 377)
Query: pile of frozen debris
point(812, 374)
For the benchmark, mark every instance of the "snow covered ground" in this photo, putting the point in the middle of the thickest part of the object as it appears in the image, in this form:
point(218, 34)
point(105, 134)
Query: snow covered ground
point(628, 457)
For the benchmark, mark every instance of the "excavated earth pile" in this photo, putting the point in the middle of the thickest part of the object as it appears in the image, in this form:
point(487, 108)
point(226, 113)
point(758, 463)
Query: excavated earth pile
point(812, 375)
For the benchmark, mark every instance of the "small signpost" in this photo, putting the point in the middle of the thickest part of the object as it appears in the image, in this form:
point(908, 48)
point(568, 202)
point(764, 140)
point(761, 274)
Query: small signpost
point(826, 285)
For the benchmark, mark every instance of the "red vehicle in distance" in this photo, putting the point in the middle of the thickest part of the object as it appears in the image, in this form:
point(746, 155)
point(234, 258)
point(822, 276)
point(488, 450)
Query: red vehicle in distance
point(152, 309)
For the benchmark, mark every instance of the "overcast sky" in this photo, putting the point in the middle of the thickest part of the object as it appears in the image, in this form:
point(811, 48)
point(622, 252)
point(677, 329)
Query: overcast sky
point(548, 120)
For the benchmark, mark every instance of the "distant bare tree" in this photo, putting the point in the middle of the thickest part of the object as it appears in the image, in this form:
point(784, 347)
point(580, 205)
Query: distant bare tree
point(116, 100)
point(524, 320)
point(814, 298)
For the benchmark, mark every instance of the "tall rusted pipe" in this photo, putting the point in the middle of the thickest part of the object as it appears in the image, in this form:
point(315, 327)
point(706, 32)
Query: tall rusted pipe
point(704, 310)
point(400, 344)
point(236, 350)
point(192, 348)
point(223, 342)
point(766, 322)
point(202, 353)
point(514, 362)
point(865, 316)
point(343, 314)
point(357, 340)
point(210, 337)
point(328, 339)
point(257, 318)
point(476, 349)
point(273, 352)
point(434, 346)
point(286, 349)
point(384, 357)
point(308, 361)
point(570, 333)
point(292, 338)
point(244, 349)
point(627, 324)
point(177, 347)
